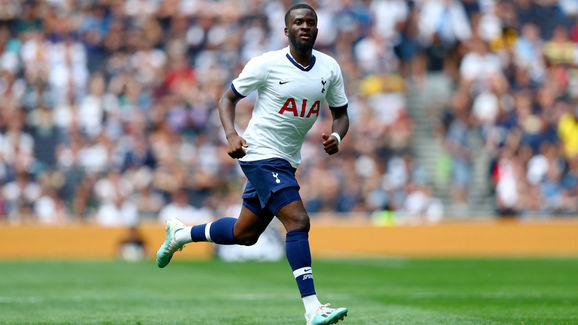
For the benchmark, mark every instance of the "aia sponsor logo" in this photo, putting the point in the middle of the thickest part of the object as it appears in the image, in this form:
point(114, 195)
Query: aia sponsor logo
point(304, 111)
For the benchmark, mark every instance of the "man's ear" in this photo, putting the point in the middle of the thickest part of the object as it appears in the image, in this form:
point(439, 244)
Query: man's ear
point(286, 32)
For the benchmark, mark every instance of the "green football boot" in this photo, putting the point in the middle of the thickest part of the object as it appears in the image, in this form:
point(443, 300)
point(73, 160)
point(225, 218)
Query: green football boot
point(326, 315)
point(170, 246)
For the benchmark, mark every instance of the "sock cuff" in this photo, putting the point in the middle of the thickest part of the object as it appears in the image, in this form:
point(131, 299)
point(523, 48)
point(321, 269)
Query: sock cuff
point(297, 234)
point(302, 271)
point(208, 232)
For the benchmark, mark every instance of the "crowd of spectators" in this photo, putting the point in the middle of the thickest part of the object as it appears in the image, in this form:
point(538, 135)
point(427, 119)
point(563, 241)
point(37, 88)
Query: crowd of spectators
point(517, 89)
point(108, 107)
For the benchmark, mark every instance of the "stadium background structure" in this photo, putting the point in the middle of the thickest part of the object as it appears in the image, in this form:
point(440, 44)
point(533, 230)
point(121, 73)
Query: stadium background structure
point(108, 108)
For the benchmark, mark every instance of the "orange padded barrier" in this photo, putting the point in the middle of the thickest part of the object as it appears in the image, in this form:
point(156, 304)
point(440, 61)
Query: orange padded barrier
point(471, 238)
point(328, 239)
point(82, 242)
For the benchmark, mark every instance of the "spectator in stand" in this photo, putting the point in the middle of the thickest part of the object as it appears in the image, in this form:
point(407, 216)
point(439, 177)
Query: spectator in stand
point(117, 212)
point(528, 52)
point(179, 207)
point(568, 131)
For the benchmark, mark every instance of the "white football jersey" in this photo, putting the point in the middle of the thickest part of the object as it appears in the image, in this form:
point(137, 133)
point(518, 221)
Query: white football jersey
point(289, 98)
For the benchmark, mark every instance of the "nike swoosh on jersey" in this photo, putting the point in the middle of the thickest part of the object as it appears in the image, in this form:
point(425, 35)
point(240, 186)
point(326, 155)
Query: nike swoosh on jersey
point(283, 82)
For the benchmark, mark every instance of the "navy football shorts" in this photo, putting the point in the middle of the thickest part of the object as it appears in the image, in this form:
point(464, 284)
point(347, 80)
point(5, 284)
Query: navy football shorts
point(271, 185)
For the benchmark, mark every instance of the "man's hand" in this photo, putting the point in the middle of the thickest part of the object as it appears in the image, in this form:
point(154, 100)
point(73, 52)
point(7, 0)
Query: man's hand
point(236, 145)
point(330, 143)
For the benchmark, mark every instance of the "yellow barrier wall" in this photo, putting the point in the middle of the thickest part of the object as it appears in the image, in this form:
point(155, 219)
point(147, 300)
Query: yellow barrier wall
point(82, 242)
point(449, 239)
point(327, 240)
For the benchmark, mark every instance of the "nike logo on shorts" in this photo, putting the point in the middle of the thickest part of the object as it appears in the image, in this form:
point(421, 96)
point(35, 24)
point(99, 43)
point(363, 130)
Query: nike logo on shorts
point(283, 82)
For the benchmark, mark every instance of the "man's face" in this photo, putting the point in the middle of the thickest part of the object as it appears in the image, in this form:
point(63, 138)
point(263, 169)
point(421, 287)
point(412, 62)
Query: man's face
point(302, 28)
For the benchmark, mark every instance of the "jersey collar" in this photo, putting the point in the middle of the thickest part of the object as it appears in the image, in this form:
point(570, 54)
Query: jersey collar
point(302, 68)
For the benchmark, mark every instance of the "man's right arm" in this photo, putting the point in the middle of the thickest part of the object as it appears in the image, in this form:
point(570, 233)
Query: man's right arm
point(227, 114)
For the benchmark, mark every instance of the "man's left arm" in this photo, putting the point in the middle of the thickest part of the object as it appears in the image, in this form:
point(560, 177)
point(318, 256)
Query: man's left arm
point(339, 130)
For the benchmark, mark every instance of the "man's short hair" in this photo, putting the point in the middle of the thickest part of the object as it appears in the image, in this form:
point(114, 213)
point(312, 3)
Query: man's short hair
point(298, 6)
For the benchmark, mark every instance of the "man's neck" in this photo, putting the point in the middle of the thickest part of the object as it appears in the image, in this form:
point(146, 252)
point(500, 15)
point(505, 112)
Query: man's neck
point(302, 57)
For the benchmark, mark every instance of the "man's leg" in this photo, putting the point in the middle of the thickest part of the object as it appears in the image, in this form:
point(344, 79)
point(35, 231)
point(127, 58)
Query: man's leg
point(230, 231)
point(296, 221)
point(226, 231)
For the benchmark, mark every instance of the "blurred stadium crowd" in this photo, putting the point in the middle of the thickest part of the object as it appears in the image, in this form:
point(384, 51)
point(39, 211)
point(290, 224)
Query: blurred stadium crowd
point(107, 107)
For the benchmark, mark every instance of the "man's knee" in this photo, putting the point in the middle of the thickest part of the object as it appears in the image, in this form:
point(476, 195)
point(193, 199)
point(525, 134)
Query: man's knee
point(247, 239)
point(294, 216)
point(301, 221)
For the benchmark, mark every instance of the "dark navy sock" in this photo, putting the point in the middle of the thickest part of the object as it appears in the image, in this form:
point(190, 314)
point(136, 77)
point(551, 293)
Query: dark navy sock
point(299, 257)
point(220, 232)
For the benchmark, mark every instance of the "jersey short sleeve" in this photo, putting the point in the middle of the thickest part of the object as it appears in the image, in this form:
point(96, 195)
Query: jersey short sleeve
point(251, 78)
point(336, 91)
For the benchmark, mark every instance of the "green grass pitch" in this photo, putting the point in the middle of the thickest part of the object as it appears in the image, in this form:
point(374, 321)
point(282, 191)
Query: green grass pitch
point(383, 291)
